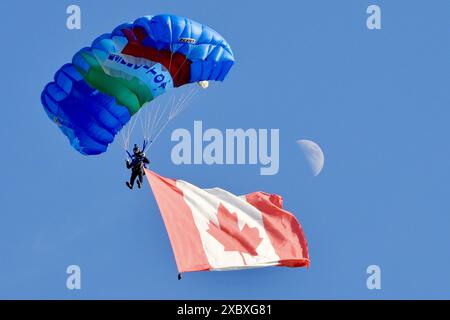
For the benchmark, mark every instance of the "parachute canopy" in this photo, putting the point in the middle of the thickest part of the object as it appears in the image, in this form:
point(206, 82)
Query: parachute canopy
point(92, 98)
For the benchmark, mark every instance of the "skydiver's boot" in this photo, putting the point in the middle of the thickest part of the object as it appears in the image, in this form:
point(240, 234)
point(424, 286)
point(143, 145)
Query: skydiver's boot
point(129, 185)
point(139, 184)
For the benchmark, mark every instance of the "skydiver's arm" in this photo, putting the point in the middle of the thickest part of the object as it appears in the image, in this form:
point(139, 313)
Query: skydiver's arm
point(145, 160)
point(128, 164)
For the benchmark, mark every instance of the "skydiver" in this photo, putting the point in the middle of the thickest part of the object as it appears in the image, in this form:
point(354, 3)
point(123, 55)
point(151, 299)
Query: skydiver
point(137, 165)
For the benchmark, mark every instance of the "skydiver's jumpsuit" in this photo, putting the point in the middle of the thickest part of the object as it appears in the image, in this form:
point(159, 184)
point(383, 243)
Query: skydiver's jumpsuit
point(137, 168)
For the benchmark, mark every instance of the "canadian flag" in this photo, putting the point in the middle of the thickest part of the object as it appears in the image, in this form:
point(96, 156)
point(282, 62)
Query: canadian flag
point(212, 229)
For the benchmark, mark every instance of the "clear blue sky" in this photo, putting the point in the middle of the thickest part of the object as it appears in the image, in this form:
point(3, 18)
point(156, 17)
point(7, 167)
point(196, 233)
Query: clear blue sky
point(378, 102)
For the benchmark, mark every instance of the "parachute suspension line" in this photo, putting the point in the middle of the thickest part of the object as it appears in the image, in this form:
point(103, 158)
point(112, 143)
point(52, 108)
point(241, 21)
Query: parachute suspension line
point(155, 123)
point(179, 69)
point(129, 129)
point(176, 108)
point(151, 118)
point(146, 130)
point(126, 132)
point(183, 103)
point(146, 125)
point(123, 136)
point(142, 121)
point(155, 120)
point(162, 124)
point(159, 116)
point(143, 126)
point(162, 114)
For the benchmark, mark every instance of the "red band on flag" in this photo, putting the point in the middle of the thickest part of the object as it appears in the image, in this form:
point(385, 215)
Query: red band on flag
point(283, 229)
point(183, 234)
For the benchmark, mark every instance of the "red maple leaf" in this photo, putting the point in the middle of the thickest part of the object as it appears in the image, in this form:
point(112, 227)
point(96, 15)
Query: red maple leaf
point(231, 237)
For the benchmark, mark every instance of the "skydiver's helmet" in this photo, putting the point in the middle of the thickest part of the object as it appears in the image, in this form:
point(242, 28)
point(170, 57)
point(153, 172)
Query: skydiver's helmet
point(136, 150)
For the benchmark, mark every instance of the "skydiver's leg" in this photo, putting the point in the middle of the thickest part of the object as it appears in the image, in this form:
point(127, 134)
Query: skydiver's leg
point(131, 182)
point(140, 179)
point(133, 177)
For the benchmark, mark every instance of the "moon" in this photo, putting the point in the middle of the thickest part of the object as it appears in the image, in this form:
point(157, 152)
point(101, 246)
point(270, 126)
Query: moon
point(313, 154)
